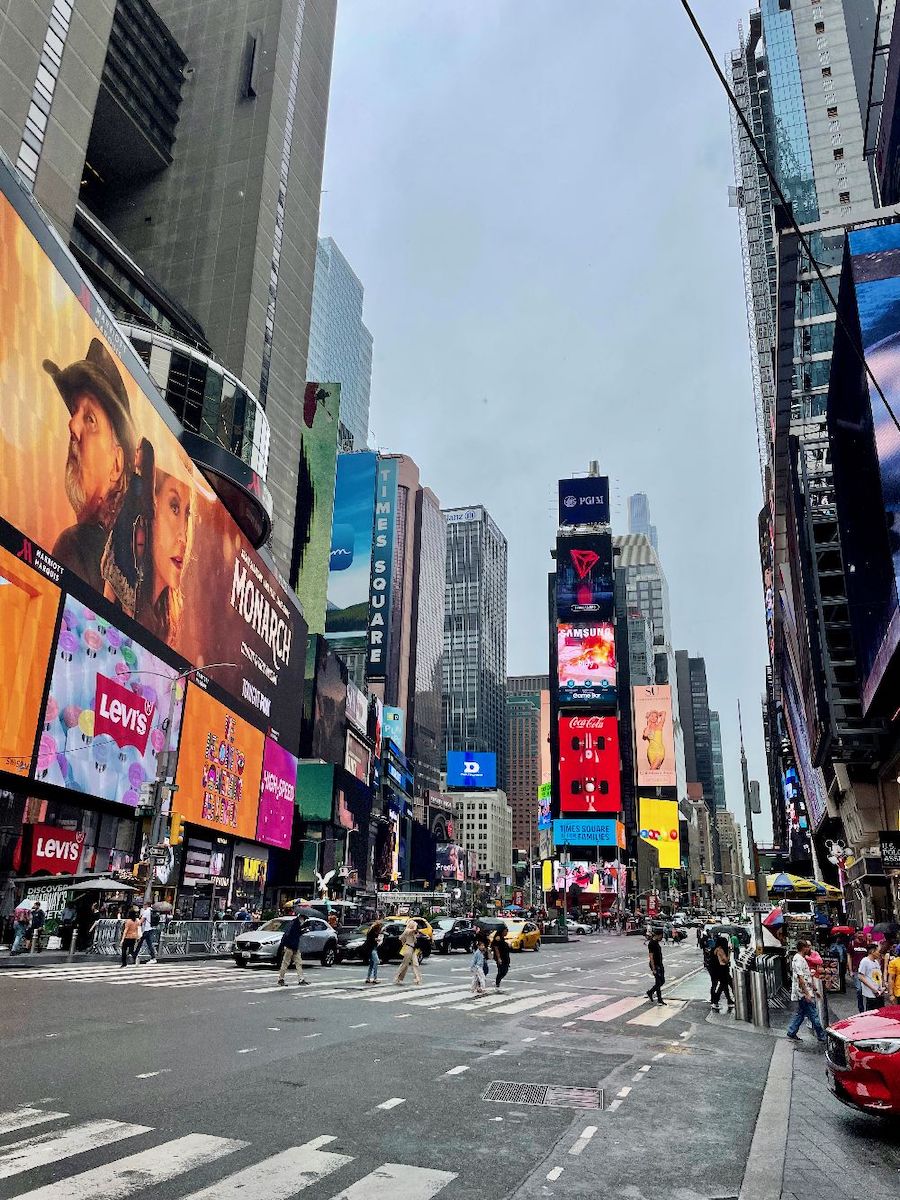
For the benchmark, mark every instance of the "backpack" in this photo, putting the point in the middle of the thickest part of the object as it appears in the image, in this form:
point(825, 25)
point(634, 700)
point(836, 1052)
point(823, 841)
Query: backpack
point(155, 918)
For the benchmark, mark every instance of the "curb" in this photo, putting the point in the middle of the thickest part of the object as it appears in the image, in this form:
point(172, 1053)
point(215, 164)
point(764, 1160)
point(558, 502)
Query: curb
point(765, 1163)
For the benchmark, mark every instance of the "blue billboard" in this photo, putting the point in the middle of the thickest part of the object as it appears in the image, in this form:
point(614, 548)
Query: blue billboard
point(471, 769)
point(350, 565)
point(584, 501)
point(590, 832)
point(382, 568)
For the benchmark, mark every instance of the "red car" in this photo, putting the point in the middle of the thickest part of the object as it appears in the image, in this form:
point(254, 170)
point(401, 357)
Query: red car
point(862, 1057)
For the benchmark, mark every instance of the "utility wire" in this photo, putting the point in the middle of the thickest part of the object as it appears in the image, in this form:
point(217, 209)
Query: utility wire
point(857, 349)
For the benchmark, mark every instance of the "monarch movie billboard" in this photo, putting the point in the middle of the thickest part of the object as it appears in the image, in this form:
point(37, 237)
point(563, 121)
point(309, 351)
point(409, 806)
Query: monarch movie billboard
point(654, 737)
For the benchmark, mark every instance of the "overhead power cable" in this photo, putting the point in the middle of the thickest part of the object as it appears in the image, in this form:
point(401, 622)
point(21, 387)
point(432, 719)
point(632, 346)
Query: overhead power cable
point(788, 208)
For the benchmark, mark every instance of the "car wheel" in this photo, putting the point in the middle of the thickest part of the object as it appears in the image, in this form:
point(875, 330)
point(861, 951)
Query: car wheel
point(240, 962)
point(329, 956)
point(445, 949)
point(537, 945)
point(425, 953)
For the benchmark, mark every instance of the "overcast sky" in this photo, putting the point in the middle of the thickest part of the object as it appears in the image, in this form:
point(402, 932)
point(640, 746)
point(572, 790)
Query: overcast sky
point(534, 195)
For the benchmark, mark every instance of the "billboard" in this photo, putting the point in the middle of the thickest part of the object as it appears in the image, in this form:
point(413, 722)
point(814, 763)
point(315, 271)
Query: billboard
point(586, 665)
point(588, 832)
point(659, 829)
point(103, 724)
point(545, 811)
point(450, 862)
point(589, 770)
point(382, 568)
point(654, 736)
point(395, 726)
point(315, 500)
point(350, 560)
point(92, 471)
point(357, 758)
point(471, 769)
point(584, 501)
point(219, 767)
point(357, 708)
point(276, 796)
point(329, 705)
point(315, 790)
point(28, 608)
point(584, 577)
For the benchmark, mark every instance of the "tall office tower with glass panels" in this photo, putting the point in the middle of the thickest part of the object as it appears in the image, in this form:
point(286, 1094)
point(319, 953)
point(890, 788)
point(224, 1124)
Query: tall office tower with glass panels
point(340, 346)
point(475, 635)
point(693, 703)
point(718, 761)
point(639, 518)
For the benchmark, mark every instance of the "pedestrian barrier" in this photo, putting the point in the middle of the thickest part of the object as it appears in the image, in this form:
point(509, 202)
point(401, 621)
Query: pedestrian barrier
point(175, 939)
point(740, 981)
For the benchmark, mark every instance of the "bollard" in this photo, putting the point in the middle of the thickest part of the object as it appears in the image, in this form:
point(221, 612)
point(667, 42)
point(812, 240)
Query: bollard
point(759, 999)
point(740, 984)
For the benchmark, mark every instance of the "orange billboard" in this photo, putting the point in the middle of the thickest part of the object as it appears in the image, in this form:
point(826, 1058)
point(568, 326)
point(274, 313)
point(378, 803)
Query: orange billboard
point(28, 607)
point(654, 737)
point(219, 767)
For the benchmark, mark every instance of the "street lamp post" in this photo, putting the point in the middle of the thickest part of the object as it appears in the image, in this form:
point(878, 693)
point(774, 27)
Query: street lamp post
point(751, 845)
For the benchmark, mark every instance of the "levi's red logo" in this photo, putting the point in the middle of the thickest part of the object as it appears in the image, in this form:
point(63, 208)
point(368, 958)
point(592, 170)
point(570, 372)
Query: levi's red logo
point(584, 561)
point(55, 850)
point(125, 716)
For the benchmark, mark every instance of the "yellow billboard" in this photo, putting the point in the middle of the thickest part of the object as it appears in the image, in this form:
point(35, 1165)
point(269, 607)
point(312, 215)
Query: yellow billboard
point(659, 829)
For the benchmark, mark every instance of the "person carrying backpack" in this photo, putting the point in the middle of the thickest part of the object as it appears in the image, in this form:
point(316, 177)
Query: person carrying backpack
point(500, 950)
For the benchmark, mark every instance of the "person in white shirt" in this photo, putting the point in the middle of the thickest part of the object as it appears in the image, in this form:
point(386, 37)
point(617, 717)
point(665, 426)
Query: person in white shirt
point(870, 979)
point(147, 935)
point(803, 990)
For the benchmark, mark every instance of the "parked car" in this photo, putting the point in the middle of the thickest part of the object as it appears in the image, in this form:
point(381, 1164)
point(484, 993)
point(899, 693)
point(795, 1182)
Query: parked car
point(453, 933)
point(351, 942)
point(862, 1060)
point(577, 927)
point(261, 945)
point(743, 934)
point(520, 935)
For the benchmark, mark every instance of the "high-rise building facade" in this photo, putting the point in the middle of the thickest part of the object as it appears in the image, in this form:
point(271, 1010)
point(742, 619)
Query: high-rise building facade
point(475, 635)
point(639, 518)
point(718, 762)
point(425, 720)
point(527, 732)
point(484, 824)
point(340, 346)
point(693, 703)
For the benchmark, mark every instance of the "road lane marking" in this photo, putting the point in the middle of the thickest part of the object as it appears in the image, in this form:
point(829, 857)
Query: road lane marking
point(618, 1009)
point(278, 1177)
point(553, 1175)
point(529, 1039)
point(573, 1006)
point(583, 1138)
point(500, 998)
point(361, 1025)
point(393, 1181)
point(392, 1103)
point(24, 1118)
point(136, 1172)
point(151, 1074)
point(400, 1016)
point(456, 1070)
point(523, 1005)
point(643, 1070)
point(613, 1105)
point(656, 1016)
point(623, 1092)
point(247, 1050)
point(48, 1148)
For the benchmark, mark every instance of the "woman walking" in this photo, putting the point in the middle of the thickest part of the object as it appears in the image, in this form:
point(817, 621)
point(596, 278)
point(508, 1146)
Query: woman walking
point(479, 959)
point(408, 953)
point(131, 931)
point(720, 970)
point(500, 951)
point(370, 947)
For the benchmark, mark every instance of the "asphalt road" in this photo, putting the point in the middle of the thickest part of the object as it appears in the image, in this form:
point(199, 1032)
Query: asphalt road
point(165, 1081)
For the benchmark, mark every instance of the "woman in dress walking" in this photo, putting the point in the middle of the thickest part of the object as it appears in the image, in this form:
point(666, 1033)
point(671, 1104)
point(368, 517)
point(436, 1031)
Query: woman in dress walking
point(409, 954)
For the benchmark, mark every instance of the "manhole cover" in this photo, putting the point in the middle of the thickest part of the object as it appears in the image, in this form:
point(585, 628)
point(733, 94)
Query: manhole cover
point(546, 1095)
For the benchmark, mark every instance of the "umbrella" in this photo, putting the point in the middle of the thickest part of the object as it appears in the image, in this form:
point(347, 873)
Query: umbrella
point(783, 882)
point(773, 919)
point(161, 906)
point(514, 908)
point(103, 885)
point(842, 929)
point(887, 928)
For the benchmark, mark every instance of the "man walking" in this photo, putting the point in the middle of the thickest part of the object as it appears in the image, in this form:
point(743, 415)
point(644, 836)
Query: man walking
point(290, 952)
point(870, 979)
point(655, 960)
point(803, 990)
point(147, 937)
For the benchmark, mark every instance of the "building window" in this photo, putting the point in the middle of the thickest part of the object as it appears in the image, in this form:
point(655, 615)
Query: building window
point(820, 26)
point(826, 72)
point(832, 112)
point(838, 152)
point(44, 87)
point(844, 197)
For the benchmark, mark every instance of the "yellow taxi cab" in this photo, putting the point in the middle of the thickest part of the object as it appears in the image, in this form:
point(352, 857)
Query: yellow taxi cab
point(522, 935)
point(424, 927)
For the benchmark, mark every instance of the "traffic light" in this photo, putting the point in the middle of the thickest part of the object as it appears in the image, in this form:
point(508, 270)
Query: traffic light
point(176, 830)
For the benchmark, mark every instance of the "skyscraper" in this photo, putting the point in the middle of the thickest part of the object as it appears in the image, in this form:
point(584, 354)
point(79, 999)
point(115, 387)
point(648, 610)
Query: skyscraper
point(693, 703)
point(639, 518)
point(527, 733)
point(340, 346)
point(718, 764)
point(475, 635)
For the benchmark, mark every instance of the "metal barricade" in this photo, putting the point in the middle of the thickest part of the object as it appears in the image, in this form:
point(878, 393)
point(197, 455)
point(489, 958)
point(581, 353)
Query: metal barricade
point(174, 939)
point(107, 937)
point(740, 982)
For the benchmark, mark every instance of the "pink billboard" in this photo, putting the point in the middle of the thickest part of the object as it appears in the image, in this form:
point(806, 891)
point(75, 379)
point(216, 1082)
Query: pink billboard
point(276, 796)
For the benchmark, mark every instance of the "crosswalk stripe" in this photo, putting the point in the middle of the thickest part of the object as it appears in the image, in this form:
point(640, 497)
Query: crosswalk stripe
point(436, 1001)
point(656, 1016)
point(138, 1171)
point(572, 1006)
point(530, 1002)
point(497, 998)
point(393, 1181)
point(24, 1118)
point(619, 1009)
point(279, 1177)
point(401, 993)
point(51, 1147)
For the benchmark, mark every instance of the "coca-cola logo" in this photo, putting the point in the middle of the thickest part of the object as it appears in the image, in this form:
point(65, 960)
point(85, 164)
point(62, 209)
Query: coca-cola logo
point(122, 714)
point(585, 722)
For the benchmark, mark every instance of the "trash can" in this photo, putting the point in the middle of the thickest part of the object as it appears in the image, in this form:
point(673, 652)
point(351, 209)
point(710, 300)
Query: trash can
point(759, 999)
point(740, 984)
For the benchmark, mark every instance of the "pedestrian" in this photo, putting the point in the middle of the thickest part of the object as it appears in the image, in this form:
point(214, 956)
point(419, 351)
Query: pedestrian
point(289, 952)
point(479, 961)
point(370, 948)
point(409, 953)
point(701, 938)
point(655, 961)
point(720, 971)
point(131, 930)
point(500, 950)
point(893, 976)
point(36, 928)
point(871, 979)
point(803, 990)
point(147, 937)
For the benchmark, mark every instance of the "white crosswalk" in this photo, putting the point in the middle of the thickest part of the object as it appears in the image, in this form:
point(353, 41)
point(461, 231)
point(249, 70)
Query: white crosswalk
point(173, 975)
point(278, 1176)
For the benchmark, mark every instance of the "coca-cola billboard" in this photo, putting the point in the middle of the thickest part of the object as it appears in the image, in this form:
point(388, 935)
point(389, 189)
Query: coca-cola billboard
point(57, 851)
point(589, 769)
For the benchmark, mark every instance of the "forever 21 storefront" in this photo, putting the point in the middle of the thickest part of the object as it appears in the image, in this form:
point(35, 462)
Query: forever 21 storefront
point(121, 576)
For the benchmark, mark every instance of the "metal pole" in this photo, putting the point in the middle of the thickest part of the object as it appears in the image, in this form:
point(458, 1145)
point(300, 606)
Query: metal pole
point(751, 846)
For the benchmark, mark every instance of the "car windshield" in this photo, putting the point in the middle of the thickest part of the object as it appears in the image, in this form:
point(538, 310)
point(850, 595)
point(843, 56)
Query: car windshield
point(445, 923)
point(514, 926)
point(276, 925)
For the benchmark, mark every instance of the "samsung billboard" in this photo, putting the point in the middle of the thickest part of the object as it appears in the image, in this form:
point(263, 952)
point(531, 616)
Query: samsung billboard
point(471, 769)
point(584, 501)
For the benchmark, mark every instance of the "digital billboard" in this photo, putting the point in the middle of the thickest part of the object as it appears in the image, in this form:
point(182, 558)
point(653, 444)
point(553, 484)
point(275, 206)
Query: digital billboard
point(315, 499)
point(277, 793)
point(545, 813)
point(315, 790)
point(471, 769)
point(654, 737)
point(92, 471)
point(584, 501)
point(382, 568)
point(350, 560)
point(329, 705)
point(586, 665)
point(395, 726)
point(450, 862)
point(28, 607)
point(357, 707)
point(103, 725)
point(589, 832)
point(219, 767)
point(589, 769)
point(659, 829)
point(584, 577)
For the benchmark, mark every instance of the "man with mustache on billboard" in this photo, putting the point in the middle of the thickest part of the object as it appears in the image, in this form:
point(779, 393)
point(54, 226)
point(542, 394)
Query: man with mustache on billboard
point(100, 459)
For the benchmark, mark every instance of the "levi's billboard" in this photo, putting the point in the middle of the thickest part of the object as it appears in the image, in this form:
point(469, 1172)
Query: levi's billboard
point(589, 779)
point(92, 471)
point(55, 850)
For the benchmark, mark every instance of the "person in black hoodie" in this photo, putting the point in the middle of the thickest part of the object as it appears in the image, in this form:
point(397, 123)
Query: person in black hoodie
point(500, 951)
point(370, 950)
point(290, 951)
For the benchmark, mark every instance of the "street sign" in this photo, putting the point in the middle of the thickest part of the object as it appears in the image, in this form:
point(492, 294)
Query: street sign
point(760, 908)
point(145, 791)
